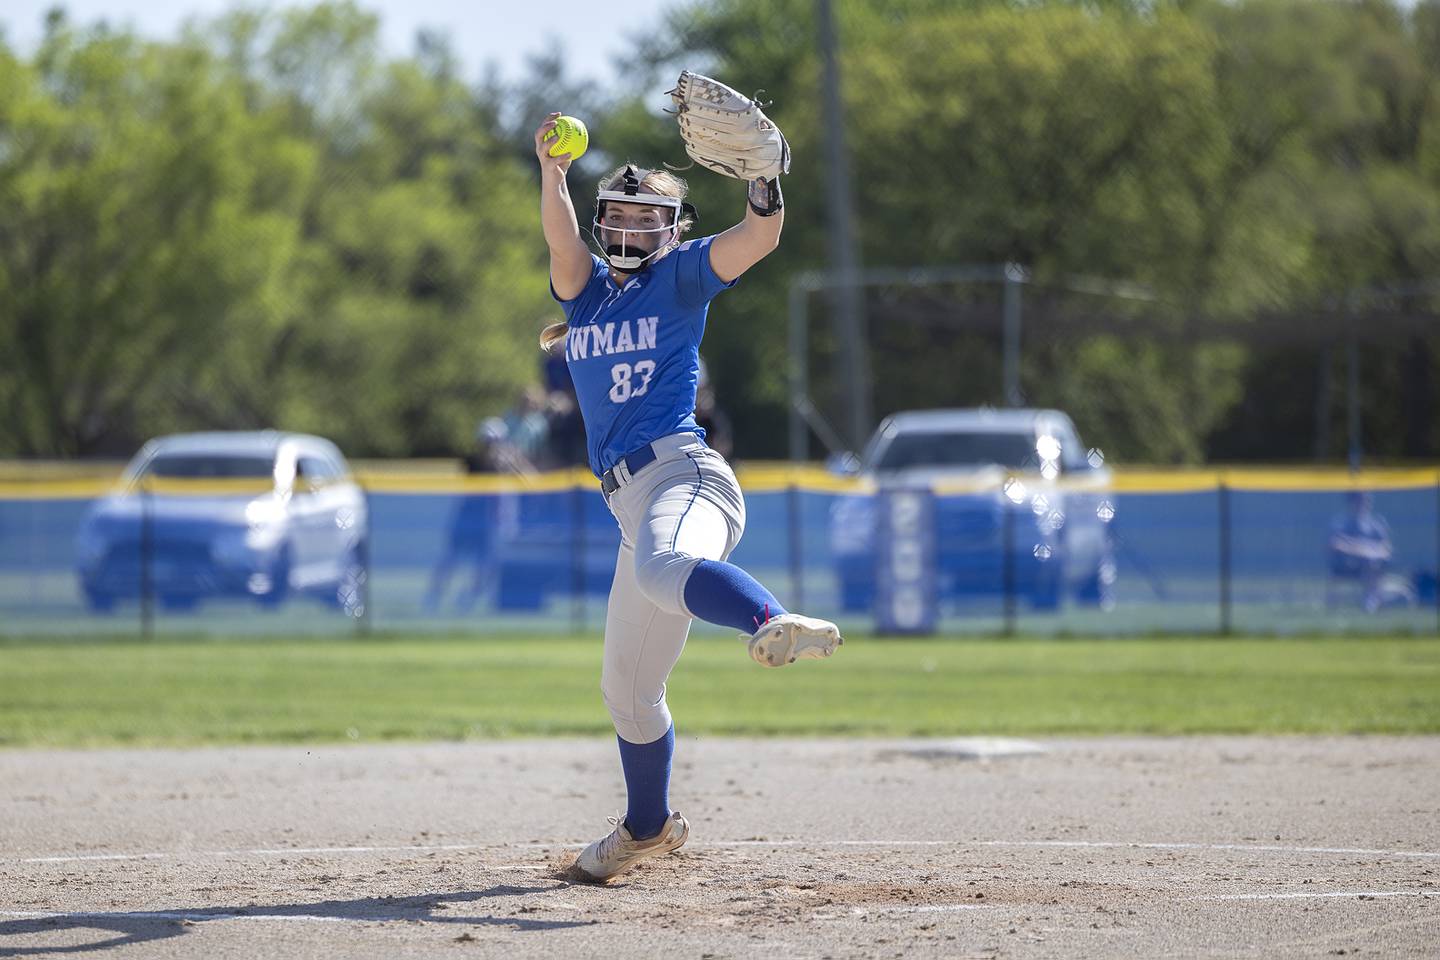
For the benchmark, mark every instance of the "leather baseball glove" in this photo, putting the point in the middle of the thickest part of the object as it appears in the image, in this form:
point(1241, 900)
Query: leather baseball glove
point(727, 131)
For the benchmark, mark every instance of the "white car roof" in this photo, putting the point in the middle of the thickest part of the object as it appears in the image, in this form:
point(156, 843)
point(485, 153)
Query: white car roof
point(257, 442)
point(260, 443)
point(975, 419)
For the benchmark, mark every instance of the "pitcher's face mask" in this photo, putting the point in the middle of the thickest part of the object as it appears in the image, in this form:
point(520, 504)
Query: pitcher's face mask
point(631, 229)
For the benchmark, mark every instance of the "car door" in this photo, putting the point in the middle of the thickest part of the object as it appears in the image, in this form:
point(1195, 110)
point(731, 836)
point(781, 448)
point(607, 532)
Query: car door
point(1084, 487)
point(318, 486)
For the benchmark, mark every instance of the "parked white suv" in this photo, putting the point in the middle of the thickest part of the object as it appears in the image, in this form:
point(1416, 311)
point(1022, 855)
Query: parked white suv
point(1016, 478)
point(262, 514)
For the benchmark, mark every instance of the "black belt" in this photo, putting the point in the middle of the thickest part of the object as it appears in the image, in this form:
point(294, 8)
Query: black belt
point(635, 461)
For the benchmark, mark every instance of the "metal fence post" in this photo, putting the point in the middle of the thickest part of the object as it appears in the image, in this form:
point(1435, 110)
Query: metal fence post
point(1007, 549)
point(796, 531)
point(147, 550)
point(799, 372)
point(1223, 492)
point(362, 586)
point(1352, 402)
point(1014, 276)
point(577, 559)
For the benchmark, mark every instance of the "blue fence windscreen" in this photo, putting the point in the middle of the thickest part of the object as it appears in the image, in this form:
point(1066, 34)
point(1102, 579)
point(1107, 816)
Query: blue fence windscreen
point(1193, 561)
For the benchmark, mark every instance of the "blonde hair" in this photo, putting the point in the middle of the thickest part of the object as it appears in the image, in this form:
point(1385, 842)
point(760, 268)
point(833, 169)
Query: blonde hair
point(553, 334)
point(661, 182)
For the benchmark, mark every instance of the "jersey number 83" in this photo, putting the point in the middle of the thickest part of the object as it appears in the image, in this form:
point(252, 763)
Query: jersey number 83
point(622, 374)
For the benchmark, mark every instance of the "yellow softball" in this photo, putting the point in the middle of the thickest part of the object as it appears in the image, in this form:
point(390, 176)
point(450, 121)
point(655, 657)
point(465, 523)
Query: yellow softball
point(570, 137)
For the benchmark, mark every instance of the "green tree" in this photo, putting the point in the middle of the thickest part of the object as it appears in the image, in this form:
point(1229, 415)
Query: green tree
point(1237, 159)
point(430, 317)
point(1072, 140)
point(130, 248)
point(259, 225)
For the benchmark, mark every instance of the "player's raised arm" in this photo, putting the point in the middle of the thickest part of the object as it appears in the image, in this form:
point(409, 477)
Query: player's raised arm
point(751, 240)
point(569, 258)
point(729, 133)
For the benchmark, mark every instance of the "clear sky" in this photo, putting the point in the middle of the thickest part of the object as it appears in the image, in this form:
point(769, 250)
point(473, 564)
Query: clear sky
point(482, 31)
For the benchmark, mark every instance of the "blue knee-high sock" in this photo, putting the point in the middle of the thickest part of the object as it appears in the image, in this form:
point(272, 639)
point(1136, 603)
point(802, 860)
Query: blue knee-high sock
point(722, 593)
point(647, 783)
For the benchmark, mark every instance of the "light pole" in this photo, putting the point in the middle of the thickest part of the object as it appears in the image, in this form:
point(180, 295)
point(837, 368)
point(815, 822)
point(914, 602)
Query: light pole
point(845, 295)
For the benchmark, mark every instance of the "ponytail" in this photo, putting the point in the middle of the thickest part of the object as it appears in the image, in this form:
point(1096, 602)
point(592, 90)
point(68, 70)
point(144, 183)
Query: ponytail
point(552, 335)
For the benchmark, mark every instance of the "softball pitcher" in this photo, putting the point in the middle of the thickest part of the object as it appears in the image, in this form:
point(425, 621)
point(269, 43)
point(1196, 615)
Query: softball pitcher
point(634, 320)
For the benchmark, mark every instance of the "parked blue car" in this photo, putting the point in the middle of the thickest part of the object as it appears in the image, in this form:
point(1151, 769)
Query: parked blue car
point(264, 515)
point(1020, 506)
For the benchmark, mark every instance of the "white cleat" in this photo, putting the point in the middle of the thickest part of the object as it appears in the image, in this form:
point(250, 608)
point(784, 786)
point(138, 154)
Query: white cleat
point(618, 851)
point(790, 637)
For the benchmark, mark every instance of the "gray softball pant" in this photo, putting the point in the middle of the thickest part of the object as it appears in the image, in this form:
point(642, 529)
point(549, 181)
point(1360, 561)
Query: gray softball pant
point(684, 507)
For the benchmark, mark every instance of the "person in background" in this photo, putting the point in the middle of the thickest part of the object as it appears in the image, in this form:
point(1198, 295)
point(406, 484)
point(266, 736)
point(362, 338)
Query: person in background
point(478, 518)
point(525, 423)
point(565, 431)
point(1360, 546)
point(472, 527)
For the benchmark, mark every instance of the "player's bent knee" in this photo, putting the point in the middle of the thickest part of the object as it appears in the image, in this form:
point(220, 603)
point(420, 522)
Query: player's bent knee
point(662, 579)
point(627, 702)
point(637, 719)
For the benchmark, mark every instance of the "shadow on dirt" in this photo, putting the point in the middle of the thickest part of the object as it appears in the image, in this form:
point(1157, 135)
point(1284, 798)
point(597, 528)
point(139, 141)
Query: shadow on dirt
point(141, 926)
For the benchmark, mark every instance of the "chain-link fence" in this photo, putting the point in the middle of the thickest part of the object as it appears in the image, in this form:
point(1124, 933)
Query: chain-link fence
point(1206, 232)
point(1164, 553)
point(1352, 381)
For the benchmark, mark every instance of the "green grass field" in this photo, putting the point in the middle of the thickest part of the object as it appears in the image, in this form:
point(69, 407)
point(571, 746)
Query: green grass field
point(205, 691)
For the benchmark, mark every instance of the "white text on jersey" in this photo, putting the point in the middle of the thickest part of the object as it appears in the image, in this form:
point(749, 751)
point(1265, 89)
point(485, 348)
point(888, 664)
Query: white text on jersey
point(597, 340)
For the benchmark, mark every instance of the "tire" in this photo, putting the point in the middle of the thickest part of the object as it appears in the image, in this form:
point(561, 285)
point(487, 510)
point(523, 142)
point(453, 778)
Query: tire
point(348, 594)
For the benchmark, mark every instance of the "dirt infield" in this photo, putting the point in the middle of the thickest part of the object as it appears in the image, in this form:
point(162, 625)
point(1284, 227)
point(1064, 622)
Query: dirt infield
point(1276, 847)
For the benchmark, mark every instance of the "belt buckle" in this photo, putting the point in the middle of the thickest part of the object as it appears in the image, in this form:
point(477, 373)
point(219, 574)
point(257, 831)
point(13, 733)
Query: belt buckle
point(614, 478)
point(611, 481)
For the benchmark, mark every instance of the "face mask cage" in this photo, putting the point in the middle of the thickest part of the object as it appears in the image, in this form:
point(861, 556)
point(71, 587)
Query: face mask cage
point(622, 255)
point(616, 243)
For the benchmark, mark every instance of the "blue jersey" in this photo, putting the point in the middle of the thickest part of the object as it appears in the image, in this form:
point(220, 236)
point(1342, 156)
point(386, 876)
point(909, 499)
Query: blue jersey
point(634, 351)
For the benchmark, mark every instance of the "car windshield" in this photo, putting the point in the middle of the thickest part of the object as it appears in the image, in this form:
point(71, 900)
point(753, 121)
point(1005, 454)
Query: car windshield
point(193, 465)
point(911, 450)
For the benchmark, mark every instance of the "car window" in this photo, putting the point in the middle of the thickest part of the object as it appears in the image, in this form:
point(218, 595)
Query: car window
point(208, 465)
point(910, 450)
point(316, 471)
